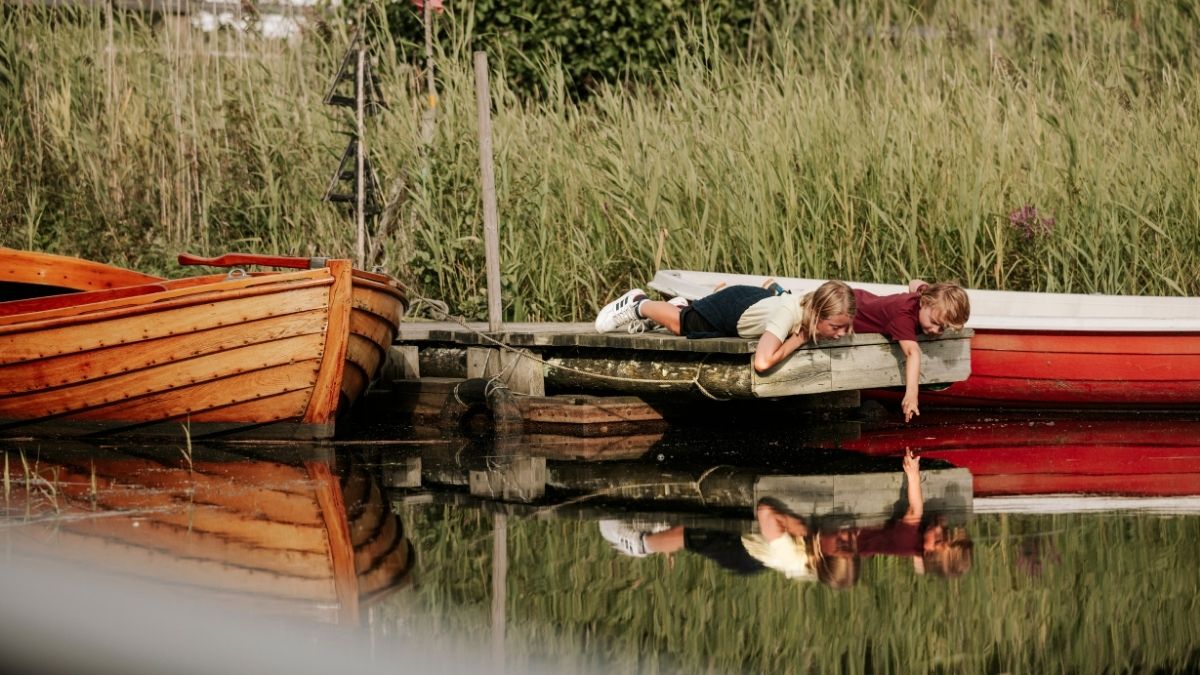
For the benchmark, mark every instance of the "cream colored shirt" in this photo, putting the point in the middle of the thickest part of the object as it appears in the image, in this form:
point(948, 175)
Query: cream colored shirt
point(784, 554)
point(779, 315)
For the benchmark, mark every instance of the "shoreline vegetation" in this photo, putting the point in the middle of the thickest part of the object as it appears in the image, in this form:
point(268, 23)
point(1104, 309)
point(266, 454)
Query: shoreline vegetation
point(1007, 145)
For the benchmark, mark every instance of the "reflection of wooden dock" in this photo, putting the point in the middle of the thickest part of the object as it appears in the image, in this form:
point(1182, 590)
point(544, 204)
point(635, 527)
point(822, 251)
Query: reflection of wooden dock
point(850, 489)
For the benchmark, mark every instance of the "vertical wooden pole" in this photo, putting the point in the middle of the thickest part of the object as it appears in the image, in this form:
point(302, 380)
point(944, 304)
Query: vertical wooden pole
point(360, 182)
point(430, 88)
point(491, 237)
point(499, 589)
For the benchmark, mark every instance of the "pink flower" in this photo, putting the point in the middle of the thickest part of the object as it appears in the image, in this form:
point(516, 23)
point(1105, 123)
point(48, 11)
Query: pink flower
point(438, 6)
point(1030, 223)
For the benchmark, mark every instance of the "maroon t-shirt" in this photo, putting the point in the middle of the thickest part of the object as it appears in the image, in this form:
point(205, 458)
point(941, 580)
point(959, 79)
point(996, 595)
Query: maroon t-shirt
point(896, 316)
point(895, 538)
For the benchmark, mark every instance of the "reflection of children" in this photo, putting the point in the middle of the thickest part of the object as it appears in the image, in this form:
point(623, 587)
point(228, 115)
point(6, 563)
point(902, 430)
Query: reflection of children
point(927, 309)
point(782, 543)
point(782, 322)
point(932, 547)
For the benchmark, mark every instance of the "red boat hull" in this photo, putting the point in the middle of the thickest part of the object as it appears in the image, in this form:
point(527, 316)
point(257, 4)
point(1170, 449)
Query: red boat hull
point(1064, 369)
point(1116, 457)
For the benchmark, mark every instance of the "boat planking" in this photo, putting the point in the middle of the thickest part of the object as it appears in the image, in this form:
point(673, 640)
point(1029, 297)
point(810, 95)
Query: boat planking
point(265, 355)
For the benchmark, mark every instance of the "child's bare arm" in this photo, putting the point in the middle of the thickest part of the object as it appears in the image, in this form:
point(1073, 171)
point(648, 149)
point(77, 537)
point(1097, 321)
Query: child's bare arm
point(770, 351)
point(912, 475)
point(912, 378)
point(915, 285)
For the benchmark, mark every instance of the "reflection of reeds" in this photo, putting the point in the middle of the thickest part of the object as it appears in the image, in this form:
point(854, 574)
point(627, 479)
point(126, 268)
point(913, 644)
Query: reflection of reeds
point(1118, 595)
point(868, 142)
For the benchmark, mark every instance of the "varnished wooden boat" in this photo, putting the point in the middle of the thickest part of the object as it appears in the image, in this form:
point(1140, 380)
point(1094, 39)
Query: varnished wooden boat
point(267, 354)
point(296, 537)
point(1053, 350)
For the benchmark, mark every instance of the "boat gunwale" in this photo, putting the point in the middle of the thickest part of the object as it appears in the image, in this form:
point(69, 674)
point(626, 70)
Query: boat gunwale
point(150, 304)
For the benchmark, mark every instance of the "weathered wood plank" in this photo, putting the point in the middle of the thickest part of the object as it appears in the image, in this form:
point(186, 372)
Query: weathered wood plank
point(865, 499)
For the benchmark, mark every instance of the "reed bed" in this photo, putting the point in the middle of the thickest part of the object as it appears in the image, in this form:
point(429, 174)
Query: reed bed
point(1062, 593)
point(1012, 145)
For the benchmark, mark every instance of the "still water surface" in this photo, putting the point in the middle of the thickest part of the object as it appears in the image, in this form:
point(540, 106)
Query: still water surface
point(444, 553)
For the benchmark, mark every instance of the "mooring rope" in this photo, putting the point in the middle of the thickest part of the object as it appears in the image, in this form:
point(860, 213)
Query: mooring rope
point(440, 307)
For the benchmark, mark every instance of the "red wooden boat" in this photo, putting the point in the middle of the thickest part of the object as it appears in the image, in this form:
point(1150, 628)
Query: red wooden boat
point(1144, 458)
point(1047, 349)
point(90, 348)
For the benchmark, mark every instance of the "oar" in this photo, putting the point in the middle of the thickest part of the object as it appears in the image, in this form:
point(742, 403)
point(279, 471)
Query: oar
point(231, 259)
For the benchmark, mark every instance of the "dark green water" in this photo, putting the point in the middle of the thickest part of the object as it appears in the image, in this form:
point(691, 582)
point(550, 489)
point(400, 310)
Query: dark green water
point(1061, 577)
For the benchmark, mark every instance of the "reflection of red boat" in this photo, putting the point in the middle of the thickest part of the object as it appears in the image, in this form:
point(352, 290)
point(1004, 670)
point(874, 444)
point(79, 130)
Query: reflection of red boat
point(1048, 349)
point(1044, 456)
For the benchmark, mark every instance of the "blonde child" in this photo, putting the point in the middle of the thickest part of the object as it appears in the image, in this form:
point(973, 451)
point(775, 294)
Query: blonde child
point(926, 309)
point(782, 322)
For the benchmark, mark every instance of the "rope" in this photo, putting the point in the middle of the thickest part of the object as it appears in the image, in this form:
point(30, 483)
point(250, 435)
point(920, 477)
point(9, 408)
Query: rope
point(700, 480)
point(442, 311)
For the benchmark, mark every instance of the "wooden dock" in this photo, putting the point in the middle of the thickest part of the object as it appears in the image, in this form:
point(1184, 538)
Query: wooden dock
point(534, 357)
point(567, 378)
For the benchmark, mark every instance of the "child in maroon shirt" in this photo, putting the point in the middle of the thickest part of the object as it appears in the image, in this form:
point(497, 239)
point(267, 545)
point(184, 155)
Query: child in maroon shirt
point(927, 309)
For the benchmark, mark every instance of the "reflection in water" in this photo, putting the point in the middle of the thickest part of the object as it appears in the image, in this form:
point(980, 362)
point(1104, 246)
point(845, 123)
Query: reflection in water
point(294, 537)
point(1053, 455)
point(631, 553)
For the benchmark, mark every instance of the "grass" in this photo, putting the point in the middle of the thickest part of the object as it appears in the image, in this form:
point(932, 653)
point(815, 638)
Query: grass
point(1114, 593)
point(863, 141)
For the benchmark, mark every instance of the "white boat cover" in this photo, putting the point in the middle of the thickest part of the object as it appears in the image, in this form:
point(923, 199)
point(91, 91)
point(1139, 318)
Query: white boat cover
point(996, 310)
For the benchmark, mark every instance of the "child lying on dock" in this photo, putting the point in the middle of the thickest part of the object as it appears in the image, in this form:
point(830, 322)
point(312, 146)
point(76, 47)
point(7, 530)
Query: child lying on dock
point(782, 322)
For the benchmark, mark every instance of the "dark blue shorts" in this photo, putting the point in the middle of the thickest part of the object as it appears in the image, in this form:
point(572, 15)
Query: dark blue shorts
point(724, 548)
point(721, 311)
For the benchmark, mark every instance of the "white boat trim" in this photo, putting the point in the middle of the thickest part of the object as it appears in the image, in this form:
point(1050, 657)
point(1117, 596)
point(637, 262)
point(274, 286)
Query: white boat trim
point(1073, 503)
point(993, 310)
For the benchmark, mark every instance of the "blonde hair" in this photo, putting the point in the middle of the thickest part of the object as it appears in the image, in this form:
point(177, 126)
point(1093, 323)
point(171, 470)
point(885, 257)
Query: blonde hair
point(829, 300)
point(837, 572)
point(954, 560)
point(951, 299)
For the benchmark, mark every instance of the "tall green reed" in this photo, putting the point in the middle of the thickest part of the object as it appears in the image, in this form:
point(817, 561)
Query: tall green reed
point(866, 141)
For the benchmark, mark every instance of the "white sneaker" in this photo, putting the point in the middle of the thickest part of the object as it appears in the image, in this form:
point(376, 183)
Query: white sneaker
point(619, 312)
point(629, 537)
point(640, 326)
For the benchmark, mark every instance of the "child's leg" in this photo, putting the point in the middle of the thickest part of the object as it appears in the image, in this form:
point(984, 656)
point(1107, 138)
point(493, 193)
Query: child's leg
point(662, 313)
point(667, 541)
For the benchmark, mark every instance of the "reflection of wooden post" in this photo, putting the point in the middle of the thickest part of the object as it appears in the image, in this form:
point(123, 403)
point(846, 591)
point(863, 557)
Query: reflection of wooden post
point(499, 588)
point(491, 239)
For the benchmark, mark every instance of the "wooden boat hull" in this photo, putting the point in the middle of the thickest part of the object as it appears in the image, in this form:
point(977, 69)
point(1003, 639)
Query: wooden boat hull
point(1034, 350)
point(268, 355)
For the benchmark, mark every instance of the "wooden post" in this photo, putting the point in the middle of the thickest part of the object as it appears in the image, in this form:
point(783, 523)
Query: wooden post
point(491, 239)
point(360, 182)
point(430, 90)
